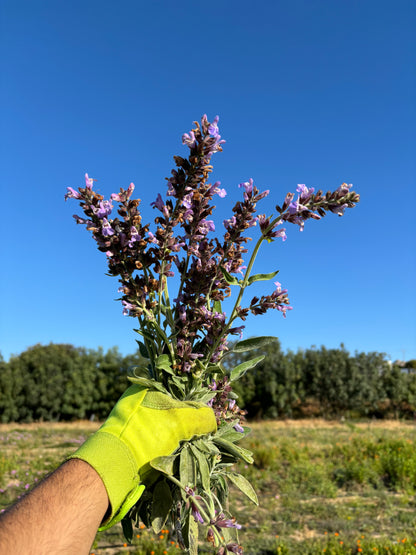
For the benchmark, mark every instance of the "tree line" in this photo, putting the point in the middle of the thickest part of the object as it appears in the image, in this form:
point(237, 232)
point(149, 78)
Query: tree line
point(59, 382)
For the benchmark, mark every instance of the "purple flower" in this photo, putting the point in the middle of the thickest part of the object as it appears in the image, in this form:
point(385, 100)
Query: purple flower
point(80, 220)
point(213, 128)
point(280, 233)
point(344, 189)
point(339, 210)
point(235, 548)
point(305, 193)
point(104, 210)
point(123, 195)
point(127, 307)
point(88, 182)
point(238, 428)
point(158, 203)
point(197, 516)
point(237, 331)
point(171, 190)
point(205, 226)
point(216, 190)
point(71, 193)
point(187, 201)
point(247, 186)
point(228, 224)
point(293, 207)
point(151, 237)
point(221, 522)
point(189, 139)
point(134, 236)
point(106, 228)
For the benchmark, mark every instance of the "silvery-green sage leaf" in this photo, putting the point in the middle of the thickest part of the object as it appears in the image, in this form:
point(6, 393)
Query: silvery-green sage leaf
point(162, 504)
point(242, 368)
point(243, 485)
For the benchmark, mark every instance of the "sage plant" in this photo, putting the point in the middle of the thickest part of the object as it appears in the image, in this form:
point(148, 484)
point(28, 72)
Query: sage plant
point(186, 336)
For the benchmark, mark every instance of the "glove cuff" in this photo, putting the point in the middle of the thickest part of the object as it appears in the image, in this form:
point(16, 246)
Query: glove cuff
point(117, 469)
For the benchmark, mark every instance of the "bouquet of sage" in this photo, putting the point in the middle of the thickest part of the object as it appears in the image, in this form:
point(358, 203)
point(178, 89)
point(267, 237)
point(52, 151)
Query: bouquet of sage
point(185, 335)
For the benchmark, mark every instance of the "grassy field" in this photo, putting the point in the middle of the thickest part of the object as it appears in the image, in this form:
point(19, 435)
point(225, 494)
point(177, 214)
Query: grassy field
point(324, 487)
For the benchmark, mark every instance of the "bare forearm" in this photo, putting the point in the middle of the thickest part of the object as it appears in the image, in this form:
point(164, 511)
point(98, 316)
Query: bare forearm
point(61, 515)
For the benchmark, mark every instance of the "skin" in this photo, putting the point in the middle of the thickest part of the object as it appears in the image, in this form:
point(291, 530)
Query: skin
point(61, 515)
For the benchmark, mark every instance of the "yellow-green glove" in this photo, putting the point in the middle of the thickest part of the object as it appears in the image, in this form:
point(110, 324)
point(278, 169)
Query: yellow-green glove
point(143, 425)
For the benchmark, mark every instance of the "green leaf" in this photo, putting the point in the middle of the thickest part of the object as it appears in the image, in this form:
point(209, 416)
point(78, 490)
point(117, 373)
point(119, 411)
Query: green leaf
point(202, 466)
point(242, 368)
point(231, 280)
point(253, 343)
point(187, 467)
point(160, 333)
point(217, 306)
point(164, 464)
point(207, 446)
point(143, 349)
point(162, 503)
point(233, 436)
point(235, 450)
point(138, 372)
point(127, 528)
point(243, 485)
point(206, 397)
point(148, 383)
point(163, 363)
point(261, 277)
point(190, 534)
point(178, 383)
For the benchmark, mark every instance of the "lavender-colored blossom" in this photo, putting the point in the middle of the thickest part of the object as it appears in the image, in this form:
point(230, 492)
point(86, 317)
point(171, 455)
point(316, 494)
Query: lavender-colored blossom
point(71, 194)
point(189, 139)
point(89, 182)
point(222, 522)
point(281, 233)
point(158, 203)
point(305, 193)
point(206, 226)
point(237, 331)
point(123, 196)
point(171, 190)
point(197, 516)
point(80, 220)
point(187, 201)
point(339, 210)
point(106, 228)
point(213, 127)
point(215, 190)
point(134, 236)
point(127, 308)
point(151, 237)
point(238, 428)
point(344, 189)
point(105, 209)
point(235, 548)
point(228, 224)
point(247, 186)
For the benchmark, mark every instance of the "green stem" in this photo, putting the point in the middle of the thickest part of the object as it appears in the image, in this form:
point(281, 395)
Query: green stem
point(243, 285)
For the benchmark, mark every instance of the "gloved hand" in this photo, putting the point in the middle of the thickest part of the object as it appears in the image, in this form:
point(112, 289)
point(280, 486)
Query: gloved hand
point(143, 425)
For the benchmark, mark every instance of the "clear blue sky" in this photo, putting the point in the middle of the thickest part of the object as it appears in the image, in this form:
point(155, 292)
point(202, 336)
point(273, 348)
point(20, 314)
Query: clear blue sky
point(316, 92)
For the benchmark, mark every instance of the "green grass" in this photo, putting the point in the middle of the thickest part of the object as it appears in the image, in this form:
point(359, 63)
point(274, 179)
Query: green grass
point(323, 487)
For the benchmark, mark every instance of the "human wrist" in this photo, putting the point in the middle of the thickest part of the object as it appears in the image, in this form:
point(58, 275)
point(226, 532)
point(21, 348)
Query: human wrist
point(116, 467)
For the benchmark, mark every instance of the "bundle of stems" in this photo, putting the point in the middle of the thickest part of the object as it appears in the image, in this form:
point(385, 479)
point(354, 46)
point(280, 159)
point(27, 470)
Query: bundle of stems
point(185, 338)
